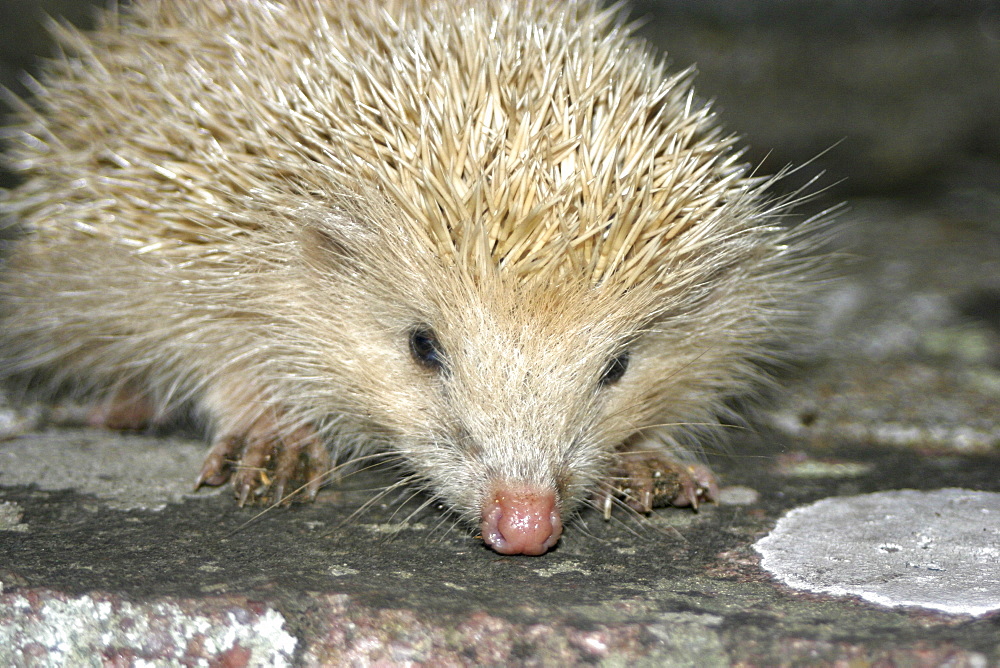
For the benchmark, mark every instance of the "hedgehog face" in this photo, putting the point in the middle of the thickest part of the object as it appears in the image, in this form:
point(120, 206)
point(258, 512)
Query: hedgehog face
point(490, 386)
point(518, 393)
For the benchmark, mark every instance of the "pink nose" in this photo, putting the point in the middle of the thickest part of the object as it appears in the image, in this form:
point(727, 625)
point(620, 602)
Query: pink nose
point(521, 520)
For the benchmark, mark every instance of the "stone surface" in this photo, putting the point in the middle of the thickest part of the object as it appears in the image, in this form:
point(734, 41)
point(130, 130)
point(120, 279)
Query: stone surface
point(50, 628)
point(938, 549)
point(909, 342)
point(120, 470)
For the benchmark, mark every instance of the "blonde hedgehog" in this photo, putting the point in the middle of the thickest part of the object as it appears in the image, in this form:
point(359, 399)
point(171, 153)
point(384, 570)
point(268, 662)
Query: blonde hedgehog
point(492, 239)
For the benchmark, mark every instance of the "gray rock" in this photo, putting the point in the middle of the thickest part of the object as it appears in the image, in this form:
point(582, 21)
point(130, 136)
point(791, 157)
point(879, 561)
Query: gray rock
point(49, 629)
point(938, 549)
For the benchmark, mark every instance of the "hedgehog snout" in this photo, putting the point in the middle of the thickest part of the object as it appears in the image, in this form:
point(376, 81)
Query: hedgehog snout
point(519, 519)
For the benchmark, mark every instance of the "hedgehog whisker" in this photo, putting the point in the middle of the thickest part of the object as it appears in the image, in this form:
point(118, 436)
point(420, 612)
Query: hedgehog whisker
point(381, 494)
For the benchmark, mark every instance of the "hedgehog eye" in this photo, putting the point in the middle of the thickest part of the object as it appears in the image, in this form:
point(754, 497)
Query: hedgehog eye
point(426, 350)
point(615, 369)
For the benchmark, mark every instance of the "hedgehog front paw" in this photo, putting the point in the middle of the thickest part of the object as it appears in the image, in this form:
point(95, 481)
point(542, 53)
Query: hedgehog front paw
point(263, 464)
point(649, 479)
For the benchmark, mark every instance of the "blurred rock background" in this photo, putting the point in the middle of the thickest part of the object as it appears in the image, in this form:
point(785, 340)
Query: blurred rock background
point(905, 94)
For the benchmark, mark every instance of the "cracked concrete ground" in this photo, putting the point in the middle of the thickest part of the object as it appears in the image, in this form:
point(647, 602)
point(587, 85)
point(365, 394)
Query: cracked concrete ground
point(108, 558)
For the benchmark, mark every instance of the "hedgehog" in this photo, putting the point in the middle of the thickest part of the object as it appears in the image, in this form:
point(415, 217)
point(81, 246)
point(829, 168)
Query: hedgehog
point(495, 242)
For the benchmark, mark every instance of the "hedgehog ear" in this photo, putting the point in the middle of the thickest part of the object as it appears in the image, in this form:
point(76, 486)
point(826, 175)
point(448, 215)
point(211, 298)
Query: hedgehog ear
point(333, 239)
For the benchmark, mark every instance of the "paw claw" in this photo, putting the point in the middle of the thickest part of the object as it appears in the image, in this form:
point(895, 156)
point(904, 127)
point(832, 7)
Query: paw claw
point(201, 480)
point(278, 494)
point(312, 487)
point(215, 470)
point(243, 494)
point(320, 466)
